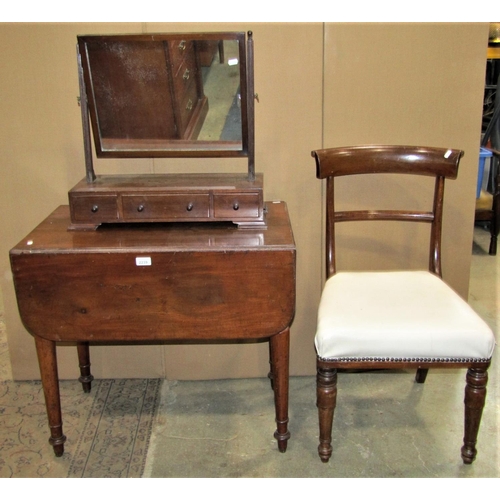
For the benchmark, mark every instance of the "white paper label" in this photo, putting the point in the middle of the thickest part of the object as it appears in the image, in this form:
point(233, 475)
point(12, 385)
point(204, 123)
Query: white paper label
point(143, 261)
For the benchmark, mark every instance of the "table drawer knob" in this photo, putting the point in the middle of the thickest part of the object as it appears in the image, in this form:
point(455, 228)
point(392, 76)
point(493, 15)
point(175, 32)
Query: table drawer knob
point(189, 207)
point(236, 205)
point(95, 208)
point(140, 208)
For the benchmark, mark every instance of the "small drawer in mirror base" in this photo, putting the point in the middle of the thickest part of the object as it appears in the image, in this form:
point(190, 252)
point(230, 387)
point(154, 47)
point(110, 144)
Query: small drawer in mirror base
point(94, 209)
point(152, 207)
point(240, 205)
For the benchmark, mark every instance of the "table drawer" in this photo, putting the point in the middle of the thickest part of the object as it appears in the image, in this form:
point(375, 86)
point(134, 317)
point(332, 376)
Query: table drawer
point(94, 209)
point(152, 207)
point(236, 204)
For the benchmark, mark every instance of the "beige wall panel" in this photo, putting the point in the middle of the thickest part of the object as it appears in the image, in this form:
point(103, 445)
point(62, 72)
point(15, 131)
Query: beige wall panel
point(407, 84)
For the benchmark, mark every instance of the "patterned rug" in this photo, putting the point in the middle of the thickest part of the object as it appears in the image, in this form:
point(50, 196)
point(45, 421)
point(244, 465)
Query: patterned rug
point(114, 441)
point(107, 430)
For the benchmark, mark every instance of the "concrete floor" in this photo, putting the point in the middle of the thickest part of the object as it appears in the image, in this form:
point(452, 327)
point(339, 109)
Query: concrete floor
point(220, 87)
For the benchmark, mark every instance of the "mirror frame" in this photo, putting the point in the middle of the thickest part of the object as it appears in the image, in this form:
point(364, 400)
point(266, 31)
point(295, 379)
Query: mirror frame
point(170, 148)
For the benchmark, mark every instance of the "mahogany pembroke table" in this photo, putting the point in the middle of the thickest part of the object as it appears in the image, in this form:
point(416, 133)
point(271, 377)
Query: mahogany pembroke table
point(156, 282)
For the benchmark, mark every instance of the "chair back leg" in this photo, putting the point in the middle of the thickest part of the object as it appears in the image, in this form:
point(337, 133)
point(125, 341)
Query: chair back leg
point(421, 375)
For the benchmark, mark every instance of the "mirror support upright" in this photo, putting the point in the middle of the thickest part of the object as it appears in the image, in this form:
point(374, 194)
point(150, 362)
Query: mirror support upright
point(251, 108)
point(84, 107)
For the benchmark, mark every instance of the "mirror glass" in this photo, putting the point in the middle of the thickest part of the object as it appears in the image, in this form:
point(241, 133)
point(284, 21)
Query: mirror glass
point(161, 95)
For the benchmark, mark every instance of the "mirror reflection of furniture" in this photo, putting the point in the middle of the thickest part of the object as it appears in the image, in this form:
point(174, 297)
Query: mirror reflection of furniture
point(187, 95)
point(488, 203)
point(406, 319)
point(150, 95)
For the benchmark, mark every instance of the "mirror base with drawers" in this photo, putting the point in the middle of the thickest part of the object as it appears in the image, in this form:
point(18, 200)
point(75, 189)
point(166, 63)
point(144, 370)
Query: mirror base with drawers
point(168, 198)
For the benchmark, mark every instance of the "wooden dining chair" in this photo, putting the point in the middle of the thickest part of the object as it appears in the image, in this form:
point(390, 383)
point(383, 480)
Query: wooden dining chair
point(402, 319)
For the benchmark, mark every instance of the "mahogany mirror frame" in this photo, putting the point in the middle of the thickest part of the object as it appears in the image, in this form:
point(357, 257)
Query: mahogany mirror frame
point(171, 148)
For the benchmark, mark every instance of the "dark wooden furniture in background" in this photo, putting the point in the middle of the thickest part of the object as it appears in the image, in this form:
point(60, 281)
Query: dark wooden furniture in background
point(156, 282)
point(143, 96)
point(407, 319)
point(488, 205)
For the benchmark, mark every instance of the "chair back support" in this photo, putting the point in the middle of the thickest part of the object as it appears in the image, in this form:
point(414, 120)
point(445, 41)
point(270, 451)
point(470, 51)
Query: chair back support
point(439, 163)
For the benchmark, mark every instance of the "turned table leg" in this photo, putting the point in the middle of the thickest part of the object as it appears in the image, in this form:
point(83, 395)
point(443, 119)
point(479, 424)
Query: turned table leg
point(280, 353)
point(84, 363)
point(46, 352)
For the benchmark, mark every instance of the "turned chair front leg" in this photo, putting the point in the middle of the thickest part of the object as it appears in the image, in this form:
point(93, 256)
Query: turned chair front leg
point(326, 389)
point(475, 396)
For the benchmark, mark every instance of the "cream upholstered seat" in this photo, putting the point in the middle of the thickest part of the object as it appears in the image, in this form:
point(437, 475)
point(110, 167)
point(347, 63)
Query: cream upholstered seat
point(407, 315)
point(395, 319)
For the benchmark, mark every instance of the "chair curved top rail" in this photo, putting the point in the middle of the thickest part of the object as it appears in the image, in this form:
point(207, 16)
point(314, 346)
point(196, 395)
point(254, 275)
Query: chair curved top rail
point(388, 159)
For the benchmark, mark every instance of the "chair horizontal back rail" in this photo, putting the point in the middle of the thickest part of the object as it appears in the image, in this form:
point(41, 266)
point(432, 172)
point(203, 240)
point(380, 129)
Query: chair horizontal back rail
point(389, 159)
point(383, 215)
